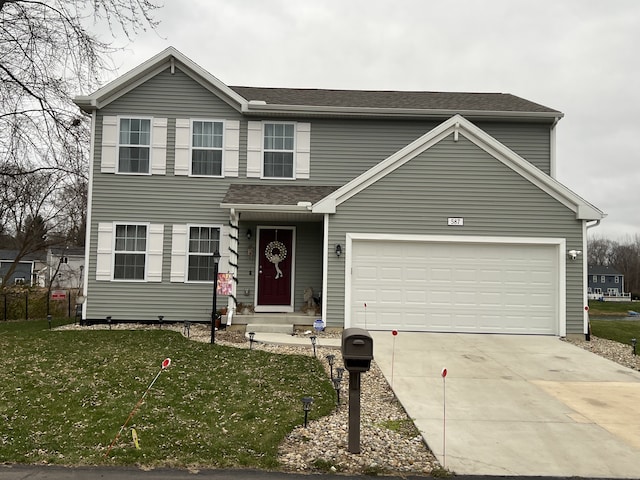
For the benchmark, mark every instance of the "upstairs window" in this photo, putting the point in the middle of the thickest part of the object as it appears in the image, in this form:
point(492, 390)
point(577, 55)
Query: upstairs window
point(130, 252)
point(206, 148)
point(134, 145)
point(602, 279)
point(595, 279)
point(203, 242)
point(617, 279)
point(278, 150)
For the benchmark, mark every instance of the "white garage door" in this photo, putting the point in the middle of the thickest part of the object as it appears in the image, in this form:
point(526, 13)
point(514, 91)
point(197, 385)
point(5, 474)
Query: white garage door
point(454, 287)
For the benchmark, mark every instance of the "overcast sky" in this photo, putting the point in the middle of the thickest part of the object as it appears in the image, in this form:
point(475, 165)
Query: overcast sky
point(577, 56)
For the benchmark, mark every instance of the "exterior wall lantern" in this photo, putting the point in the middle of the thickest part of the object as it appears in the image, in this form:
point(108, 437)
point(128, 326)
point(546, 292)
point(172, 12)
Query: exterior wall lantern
point(338, 250)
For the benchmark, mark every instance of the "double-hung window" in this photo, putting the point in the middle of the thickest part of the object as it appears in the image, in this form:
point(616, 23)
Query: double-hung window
point(206, 148)
point(130, 253)
point(134, 145)
point(203, 242)
point(279, 150)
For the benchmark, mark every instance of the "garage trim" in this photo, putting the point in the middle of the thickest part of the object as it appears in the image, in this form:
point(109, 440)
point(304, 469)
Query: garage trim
point(560, 244)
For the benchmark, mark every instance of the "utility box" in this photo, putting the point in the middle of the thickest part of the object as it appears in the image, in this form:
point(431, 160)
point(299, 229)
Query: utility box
point(357, 349)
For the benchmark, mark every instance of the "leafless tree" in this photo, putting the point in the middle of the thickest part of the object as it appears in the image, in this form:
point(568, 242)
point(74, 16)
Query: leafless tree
point(49, 53)
point(599, 251)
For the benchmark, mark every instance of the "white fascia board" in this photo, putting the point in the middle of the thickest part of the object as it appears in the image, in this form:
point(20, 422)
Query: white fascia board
point(457, 123)
point(143, 72)
point(583, 209)
point(265, 108)
point(250, 207)
point(330, 202)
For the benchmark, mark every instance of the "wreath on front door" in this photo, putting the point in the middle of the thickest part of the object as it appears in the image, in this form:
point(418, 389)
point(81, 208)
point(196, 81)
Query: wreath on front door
point(276, 252)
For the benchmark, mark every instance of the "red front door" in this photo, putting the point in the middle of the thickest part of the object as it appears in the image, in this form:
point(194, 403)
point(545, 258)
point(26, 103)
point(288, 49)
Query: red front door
point(275, 260)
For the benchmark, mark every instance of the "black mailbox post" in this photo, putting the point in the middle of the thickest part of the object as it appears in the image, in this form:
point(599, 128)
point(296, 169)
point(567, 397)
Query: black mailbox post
point(357, 353)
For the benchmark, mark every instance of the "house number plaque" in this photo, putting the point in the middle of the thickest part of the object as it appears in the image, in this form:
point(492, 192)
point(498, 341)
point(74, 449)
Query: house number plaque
point(455, 221)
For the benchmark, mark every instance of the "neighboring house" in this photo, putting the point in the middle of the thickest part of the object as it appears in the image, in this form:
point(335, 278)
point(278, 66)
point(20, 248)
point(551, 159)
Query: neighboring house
point(405, 210)
point(29, 271)
point(67, 264)
point(605, 281)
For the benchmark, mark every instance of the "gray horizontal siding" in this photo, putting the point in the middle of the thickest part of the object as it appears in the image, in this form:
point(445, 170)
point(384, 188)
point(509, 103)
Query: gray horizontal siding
point(458, 180)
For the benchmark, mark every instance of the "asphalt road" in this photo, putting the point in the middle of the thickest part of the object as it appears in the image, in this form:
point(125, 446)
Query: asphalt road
point(44, 472)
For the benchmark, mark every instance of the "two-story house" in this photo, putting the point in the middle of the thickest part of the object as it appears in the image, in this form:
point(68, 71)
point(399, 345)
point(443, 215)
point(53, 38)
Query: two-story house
point(605, 282)
point(418, 211)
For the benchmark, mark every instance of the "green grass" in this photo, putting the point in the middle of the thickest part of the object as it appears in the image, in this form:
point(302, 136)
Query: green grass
point(597, 308)
point(618, 330)
point(65, 394)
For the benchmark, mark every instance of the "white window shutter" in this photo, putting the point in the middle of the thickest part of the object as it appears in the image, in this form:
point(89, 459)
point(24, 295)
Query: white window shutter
point(104, 253)
point(231, 148)
point(109, 144)
point(303, 150)
point(154, 253)
point(183, 145)
point(178, 253)
point(254, 149)
point(159, 146)
point(225, 241)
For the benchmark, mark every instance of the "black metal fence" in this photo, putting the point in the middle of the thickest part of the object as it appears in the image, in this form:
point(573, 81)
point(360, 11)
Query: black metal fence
point(37, 303)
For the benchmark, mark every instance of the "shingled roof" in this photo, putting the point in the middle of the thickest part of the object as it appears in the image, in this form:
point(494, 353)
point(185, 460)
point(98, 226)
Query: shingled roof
point(275, 194)
point(438, 101)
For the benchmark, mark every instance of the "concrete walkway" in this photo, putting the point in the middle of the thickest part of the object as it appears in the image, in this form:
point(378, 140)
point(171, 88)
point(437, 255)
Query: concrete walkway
point(516, 405)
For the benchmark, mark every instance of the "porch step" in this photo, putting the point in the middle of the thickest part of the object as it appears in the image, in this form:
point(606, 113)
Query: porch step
point(270, 328)
point(275, 322)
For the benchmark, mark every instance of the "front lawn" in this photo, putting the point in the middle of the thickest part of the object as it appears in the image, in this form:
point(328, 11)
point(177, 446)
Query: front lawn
point(620, 309)
point(621, 331)
point(65, 394)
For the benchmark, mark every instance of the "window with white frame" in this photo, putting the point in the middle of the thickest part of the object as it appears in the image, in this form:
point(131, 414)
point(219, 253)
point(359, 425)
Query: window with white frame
point(206, 148)
point(134, 145)
point(595, 279)
point(130, 253)
point(617, 279)
point(278, 150)
point(602, 280)
point(204, 241)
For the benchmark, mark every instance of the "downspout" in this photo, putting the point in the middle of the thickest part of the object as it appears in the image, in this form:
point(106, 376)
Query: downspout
point(585, 271)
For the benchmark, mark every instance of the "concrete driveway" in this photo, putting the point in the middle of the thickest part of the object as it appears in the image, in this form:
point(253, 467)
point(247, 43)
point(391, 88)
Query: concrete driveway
point(516, 405)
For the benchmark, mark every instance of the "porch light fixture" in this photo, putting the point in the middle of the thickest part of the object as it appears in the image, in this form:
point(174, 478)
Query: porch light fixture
point(313, 339)
point(249, 233)
point(216, 261)
point(306, 406)
point(338, 250)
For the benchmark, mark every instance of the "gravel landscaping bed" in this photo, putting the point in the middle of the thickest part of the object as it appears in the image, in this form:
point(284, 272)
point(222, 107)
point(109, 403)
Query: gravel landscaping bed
point(390, 443)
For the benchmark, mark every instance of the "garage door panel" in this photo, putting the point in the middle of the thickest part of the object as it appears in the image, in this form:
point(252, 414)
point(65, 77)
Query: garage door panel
point(477, 287)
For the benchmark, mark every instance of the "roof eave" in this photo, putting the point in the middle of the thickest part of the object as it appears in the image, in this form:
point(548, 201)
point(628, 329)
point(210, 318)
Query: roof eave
point(165, 59)
point(318, 110)
point(252, 207)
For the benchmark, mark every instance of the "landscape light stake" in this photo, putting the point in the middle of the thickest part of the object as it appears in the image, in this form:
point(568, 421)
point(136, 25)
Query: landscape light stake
point(187, 329)
point(109, 322)
point(313, 339)
point(331, 359)
point(306, 406)
point(336, 385)
point(49, 320)
point(214, 314)
point(160, 318)
point(251, 335)
point(634, 342)
point(165, 364)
